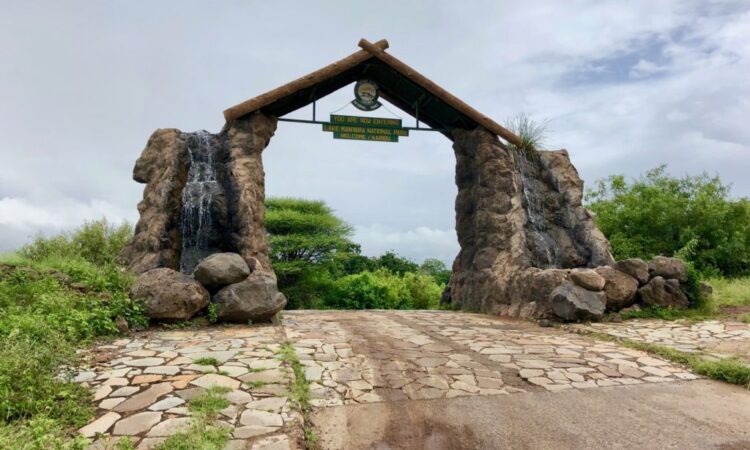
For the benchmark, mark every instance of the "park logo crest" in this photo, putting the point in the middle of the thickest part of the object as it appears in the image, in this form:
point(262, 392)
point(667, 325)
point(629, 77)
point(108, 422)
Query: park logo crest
point(366, 95)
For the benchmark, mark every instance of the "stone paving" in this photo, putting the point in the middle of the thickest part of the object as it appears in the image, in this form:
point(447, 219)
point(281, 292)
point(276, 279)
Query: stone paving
point(372, 356)
point(143, 385)
point(715, 337)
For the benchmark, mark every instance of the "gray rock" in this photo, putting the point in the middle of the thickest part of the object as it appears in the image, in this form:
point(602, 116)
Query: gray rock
point(137, 423)
point(588, 279)
point(635, 267)
point(169, 295)
point(706, 290)
point(665, 293)
point(256, 298)
point(620, 288)
point(662, 266)
point(122, 325)
point(572, 302)
point(631, 308)
point(221, 269)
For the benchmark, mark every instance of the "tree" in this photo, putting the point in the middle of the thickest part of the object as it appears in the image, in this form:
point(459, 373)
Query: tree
point(304, 239)
point(394, 263)
point(436, 269)
point(692, 217)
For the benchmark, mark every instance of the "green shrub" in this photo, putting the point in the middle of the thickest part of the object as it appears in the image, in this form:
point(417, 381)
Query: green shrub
point(383, 289)
point(730, 291)
point(425, 293)
point(57, 294)
point(97, 242)
point(693, 217)
point(731, 370)
point(40, 433)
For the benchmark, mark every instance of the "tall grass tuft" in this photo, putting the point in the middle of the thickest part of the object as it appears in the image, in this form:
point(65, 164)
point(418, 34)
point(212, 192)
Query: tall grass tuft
point(533, 133)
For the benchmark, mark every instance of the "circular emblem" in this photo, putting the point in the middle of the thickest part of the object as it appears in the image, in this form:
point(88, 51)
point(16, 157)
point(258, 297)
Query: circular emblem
point(366, 95)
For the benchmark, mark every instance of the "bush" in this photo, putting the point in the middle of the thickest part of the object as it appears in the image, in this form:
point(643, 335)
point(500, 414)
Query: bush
point(384, 290)
point(97, 242)
point(58, 294)
point(692, 217)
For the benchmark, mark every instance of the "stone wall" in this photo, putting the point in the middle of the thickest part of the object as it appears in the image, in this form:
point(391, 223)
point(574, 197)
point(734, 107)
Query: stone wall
point(520, 225)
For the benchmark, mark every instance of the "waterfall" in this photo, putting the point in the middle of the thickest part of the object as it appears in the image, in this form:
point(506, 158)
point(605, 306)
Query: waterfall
point(544, 248)
point(198, 221)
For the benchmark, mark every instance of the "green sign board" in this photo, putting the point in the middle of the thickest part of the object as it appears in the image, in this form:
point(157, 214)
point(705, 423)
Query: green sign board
point(365, 128)
point(364, 137)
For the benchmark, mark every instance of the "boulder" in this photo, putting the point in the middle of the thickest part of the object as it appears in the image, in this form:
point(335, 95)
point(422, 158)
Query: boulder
point(588, 279)
point(255, 298)
point(620, 288)
point(572, 302)
point(664, 293)
point(662, 266)
point(221, 269)
point(169, 295)
point(635, 267)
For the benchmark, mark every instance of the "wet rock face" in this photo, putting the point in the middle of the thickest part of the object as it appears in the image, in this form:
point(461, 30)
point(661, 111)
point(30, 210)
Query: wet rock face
point(169, 295)
point(256, 299)
point(517, 213)
point(204, 194)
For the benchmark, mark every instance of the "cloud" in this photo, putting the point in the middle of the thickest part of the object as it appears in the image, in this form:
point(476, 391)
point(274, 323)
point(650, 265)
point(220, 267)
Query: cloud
point(626, 86)
point(22, 219)
point(418, 244)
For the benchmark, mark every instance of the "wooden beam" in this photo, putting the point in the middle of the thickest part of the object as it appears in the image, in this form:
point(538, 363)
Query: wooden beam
point(441, 93)
point(307, 81)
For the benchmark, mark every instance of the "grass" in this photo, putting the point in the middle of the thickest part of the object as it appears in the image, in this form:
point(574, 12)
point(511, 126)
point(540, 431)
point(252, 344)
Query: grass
point(657, 312)
point(727, 293)
point(209, 404)
point(533, 133)
point(202, 434)
point(206, 362)
point(729, 370)
point(299, 391)
point(56, 295)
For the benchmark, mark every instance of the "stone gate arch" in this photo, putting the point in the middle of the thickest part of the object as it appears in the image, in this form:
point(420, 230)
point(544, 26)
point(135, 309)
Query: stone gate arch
point(520, 222)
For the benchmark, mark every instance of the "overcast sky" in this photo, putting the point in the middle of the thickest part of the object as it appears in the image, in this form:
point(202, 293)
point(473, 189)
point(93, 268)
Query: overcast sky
point(626, 86)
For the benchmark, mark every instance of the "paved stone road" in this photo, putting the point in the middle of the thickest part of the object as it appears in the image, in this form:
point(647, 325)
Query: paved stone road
point(142, 385)
point(715, 337)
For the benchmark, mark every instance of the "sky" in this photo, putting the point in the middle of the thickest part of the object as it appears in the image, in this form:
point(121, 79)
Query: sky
point(624, 86)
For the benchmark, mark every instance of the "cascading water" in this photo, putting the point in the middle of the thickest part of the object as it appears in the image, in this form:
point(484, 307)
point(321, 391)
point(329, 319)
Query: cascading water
point(199, 196)
point(544, 248)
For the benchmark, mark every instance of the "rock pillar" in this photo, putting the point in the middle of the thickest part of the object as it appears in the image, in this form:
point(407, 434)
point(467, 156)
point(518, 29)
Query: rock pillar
point(520, 225)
